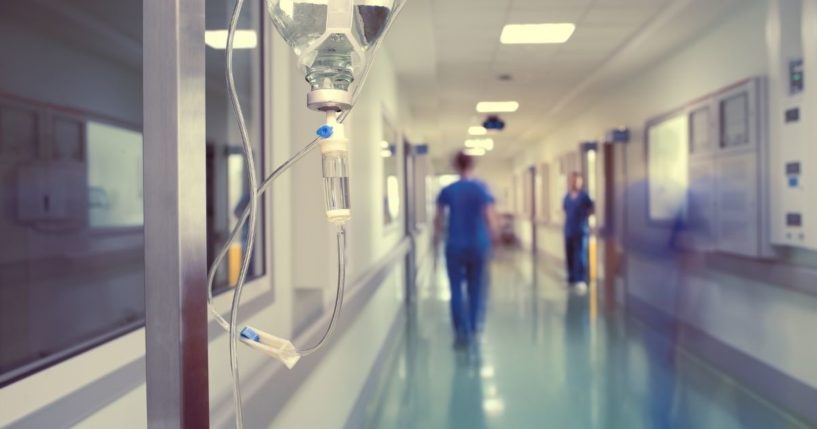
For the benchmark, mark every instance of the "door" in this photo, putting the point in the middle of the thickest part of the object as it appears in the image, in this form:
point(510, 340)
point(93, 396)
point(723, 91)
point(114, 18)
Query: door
point(590, 169)
point(610, 233)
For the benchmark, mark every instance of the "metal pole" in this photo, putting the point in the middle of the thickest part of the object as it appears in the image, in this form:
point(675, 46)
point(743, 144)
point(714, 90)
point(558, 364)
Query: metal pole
point(175, 223)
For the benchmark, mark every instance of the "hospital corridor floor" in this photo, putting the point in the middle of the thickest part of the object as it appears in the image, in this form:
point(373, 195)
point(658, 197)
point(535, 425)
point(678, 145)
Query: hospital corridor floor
point(548, 358)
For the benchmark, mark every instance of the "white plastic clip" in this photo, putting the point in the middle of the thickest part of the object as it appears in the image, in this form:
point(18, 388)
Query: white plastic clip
point(275, 347)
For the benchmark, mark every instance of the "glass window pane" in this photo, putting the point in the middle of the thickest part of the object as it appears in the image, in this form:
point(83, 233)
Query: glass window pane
point(114, 176)
point(69, 166)
point(389, 152)
point(19, 133)
point(700, 125)
point(68, 138)
point(668, 168)
point(227, 184)
point(735, 120)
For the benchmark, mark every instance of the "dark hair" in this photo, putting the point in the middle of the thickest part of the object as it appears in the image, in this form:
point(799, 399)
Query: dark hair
point(463, 161)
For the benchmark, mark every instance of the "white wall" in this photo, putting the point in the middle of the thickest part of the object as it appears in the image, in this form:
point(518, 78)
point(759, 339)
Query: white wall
point(765, 321)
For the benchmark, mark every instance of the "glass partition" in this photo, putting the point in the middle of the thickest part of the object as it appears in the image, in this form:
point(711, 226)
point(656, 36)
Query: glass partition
point(72, 248)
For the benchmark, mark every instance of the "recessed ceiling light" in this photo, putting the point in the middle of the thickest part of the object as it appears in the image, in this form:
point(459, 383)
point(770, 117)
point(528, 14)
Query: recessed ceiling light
point(244, 39)
point(474, 152)
point(514, 34)
point(497, 106)
point(485, 144)
point(477, 131)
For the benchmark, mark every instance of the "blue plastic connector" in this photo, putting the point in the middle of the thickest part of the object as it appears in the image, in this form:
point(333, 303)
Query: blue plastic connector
point(325, 131)
point(250, 334)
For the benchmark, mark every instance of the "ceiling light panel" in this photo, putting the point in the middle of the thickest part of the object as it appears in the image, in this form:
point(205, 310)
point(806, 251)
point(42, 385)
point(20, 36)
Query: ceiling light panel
point(474, 152)
point(516, 34)
point(497, 106)
point(484, 144)
point(244, 39)
point(477, 131)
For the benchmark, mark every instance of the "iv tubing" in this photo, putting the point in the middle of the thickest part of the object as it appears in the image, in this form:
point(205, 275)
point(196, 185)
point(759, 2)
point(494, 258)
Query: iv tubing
point(341, 239)
point(280, 170)
point(253, 208)
point(251, 213)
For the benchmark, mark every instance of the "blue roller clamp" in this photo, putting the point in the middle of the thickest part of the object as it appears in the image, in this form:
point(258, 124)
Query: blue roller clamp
point(250, 334)
point(325, 131)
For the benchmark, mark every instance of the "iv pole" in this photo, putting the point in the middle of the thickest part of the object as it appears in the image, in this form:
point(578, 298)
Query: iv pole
point(175, 223)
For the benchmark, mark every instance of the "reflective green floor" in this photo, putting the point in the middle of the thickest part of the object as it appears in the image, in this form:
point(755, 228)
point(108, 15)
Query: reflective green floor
point(547, 359)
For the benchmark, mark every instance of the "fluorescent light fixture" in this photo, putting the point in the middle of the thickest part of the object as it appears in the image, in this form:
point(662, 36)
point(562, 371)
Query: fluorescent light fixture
point(244, 39)
point(474, 151)
point(485, 143)
point(497, 106)
point(477, 131)
point(516, 34)
point(493, 407)
point(393, 193)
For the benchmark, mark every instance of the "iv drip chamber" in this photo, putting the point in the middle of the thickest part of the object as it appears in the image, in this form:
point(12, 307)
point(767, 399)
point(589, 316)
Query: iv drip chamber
point(335, 164)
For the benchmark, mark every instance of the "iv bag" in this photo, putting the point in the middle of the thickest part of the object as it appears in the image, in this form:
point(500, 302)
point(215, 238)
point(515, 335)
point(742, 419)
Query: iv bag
point(332, 38)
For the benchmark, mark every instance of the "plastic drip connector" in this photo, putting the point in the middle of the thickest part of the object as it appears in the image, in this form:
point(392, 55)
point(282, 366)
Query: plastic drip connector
point(325, 131)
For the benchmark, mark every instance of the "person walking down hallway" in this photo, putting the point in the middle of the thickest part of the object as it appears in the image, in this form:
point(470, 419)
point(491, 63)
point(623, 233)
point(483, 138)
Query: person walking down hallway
point(471, 226)
point(578, 208)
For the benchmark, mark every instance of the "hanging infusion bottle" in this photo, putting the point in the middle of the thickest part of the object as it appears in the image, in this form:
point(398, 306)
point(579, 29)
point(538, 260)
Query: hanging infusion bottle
point(335, 163)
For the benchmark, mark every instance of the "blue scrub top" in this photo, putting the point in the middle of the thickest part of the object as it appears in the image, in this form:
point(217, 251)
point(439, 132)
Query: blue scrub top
point(577, 213)
point(466, 200)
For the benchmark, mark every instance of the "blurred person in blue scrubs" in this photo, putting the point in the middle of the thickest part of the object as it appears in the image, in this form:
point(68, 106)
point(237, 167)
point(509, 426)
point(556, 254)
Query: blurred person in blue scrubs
point(470, 232)
point(578, 208)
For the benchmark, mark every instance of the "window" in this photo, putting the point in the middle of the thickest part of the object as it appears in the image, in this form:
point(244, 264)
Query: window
point(668, 168)
point(700, 127)
point(390, 152)
point(735, 120)
point(72, 248)
point(227, 184)
point(114, 177)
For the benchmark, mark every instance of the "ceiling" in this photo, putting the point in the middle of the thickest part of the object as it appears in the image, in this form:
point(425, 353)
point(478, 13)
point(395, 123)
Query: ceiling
point(448, 57)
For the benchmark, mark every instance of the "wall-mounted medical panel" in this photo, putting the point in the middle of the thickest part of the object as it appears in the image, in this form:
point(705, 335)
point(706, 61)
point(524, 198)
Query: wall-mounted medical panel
point(800, 164)
point(792, 161)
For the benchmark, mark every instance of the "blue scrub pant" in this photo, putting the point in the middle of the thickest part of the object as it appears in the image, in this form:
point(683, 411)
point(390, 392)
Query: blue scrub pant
point(576, 258)
point(467, 304)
